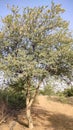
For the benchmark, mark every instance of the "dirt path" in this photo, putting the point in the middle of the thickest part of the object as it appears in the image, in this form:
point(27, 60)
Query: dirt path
point(55, 107)
point(47, 115)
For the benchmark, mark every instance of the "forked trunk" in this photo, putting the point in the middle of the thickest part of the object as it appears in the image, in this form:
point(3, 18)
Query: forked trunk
point(29, 103)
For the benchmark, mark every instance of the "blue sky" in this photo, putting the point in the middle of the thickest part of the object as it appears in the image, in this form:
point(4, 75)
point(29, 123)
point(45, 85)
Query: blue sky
point(66, 4)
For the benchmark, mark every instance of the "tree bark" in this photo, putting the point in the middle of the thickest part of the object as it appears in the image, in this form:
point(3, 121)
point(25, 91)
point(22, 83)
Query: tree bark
point(28, 106)
point(29, 103)
point(28, 114)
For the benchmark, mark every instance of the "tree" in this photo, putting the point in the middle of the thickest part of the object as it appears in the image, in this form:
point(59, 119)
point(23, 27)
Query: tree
point(34, 44)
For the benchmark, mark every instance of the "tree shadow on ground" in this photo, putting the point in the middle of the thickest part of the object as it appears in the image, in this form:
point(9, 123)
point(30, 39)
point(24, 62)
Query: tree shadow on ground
point(46, 119)
point(52, 121)
point(19, 116)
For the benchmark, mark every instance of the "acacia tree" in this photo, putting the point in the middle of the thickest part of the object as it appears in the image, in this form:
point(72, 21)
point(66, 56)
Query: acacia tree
point(34, 44)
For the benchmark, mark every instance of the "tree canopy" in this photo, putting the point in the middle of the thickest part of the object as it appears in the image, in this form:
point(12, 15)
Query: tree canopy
point(34, 44)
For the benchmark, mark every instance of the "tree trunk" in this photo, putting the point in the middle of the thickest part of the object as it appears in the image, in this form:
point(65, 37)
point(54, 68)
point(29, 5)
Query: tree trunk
point(29, 117)
point(29, 103)
point(28, 113)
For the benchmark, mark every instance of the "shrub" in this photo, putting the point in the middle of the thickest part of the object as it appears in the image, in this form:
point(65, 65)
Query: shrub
point(68, 92)
point(13, 99)
point(48, 90)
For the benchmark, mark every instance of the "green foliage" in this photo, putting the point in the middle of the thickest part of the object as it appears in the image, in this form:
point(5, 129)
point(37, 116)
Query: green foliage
point(48, 90)
point(68, 92)
point(61, 97)
point(65, 95)
point(12, 99)
point(33, 45)
point(16, 100)
point(36, 42)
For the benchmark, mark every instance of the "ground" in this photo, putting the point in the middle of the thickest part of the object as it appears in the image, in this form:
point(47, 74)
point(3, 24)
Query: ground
point(47, 115)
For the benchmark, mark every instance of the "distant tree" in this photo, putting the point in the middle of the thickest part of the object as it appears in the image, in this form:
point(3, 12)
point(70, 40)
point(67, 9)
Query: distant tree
point(34, 44)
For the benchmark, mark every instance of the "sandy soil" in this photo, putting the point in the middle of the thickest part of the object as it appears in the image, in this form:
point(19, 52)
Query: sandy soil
point(47, 115)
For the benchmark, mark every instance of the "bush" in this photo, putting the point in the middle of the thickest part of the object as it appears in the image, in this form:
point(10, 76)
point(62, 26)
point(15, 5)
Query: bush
point(13, 99)
point(64, 95)
point(68, 92)
point(59, 93)
point(48, 90)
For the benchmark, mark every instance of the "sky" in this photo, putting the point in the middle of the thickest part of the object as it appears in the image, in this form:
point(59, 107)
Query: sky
point(66, 4)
